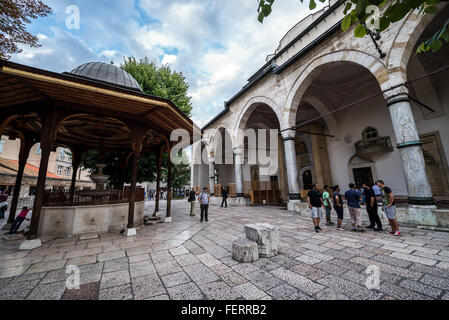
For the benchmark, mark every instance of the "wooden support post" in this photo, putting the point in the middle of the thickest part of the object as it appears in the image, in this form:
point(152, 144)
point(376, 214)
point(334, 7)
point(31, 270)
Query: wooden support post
point(40, 188)
point(169, 186)
point(137, 144)
point(158, 182)
point(26, 143)
point(77, 154)
point(132, 191)
point(50, 122)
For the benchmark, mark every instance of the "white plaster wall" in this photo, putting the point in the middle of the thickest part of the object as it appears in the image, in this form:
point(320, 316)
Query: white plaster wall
point(388, 166)
point(440, 123)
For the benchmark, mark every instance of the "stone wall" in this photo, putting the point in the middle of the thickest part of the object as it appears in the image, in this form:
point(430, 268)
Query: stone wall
point(70, 221)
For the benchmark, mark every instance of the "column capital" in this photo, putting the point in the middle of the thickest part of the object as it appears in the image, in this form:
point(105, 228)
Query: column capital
point(239, 150)
point(289, 134)
point(399, 94)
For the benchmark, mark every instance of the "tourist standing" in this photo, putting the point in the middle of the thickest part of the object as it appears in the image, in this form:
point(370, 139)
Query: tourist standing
point(316, 206)
point(327, 206)
point(338, 207)
point(204, 200)
point(18, 221)
point(353, 198)
point(192, 200)
point(372, 209)
point(224, 193)
point(389, 207)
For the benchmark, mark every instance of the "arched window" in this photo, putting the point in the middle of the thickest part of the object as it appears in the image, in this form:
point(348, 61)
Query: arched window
point(370, 133)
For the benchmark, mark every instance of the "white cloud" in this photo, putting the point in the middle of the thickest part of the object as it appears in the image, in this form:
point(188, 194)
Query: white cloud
point(109, 53)
point(169, 59)
point(217, 45)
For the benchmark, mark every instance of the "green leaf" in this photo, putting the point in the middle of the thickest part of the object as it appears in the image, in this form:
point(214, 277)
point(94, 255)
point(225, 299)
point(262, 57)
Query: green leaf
point(312, 4)
point(266, 10)
point(261, 17)
point(360, 31)
point(436, 45)
point(346, 23)
point(360, 9)
point(383, 24)
point(445, 35)
point(347, 8)
point(398, 11)
point(431, 10)
point(413, 4)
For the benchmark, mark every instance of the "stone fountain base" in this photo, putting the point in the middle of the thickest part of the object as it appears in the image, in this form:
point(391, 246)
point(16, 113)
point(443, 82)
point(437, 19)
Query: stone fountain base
point(71, 221)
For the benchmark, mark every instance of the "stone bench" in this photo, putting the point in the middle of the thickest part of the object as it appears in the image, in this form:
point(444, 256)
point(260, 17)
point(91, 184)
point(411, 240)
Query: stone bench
point(244, 250)
point(266, 236)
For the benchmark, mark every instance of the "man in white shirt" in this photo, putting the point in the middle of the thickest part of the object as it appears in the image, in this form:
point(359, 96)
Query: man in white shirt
point(204, 199)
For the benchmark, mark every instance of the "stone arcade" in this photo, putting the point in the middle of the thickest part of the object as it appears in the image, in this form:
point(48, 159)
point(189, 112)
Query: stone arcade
point(344, 115)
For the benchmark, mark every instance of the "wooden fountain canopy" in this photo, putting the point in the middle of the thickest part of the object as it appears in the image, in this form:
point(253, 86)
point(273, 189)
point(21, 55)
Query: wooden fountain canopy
point(96, 106)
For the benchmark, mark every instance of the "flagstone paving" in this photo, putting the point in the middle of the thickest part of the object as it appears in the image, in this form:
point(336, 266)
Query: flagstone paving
point(191, 260)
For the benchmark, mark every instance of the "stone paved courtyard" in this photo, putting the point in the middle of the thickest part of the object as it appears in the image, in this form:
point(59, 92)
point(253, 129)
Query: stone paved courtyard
point(190, 260)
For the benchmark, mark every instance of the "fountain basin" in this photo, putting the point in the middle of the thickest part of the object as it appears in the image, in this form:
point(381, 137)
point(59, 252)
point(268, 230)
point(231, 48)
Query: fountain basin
point(79, 220)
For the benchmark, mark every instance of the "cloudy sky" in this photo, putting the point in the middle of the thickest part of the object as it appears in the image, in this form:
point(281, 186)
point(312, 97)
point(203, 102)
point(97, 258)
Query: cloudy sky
point(216, 44)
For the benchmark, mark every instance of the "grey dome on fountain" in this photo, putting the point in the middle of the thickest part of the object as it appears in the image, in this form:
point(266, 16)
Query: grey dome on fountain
point(106, 72)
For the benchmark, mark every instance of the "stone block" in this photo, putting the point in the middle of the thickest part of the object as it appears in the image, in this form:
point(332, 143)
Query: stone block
point(130, 232)
point(244, 250)
point(266, 236)
point(30, 244)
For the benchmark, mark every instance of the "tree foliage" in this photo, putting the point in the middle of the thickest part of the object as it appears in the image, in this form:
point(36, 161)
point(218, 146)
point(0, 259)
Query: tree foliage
point(180, 173)
point(163, 82)
point(361, 13)
point(160, 81)
point(14, 16)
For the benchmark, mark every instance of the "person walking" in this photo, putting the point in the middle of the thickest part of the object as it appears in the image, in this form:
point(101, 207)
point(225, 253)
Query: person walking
point(389, 207)
point(372, 209)
point(338, 207)
point(327, 206)
point(192, 200)
point(224, 193)
point(353, 198)
point(204, 200)
point(18, 221)
point(316, 206)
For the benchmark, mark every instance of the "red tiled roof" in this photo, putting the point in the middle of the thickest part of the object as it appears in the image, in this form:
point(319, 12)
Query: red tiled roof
point(8, 166)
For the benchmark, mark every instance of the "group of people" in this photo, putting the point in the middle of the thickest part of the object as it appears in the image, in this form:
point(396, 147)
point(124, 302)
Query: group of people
point(374, 196)
point(152, 195)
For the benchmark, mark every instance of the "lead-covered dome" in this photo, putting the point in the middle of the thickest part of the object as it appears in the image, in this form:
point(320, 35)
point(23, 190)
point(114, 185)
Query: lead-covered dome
point(106, 72)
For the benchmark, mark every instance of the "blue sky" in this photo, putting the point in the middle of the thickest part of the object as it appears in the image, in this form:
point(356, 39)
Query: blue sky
point(216, 44)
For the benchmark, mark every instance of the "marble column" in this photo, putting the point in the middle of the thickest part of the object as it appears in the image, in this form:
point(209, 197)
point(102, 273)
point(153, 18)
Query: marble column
point(212, 176)
point(422, 204)
point(289, 138)
point(239, 160)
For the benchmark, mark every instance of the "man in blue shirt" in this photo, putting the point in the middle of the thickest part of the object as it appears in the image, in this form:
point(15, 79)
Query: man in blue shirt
point(353, 198)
